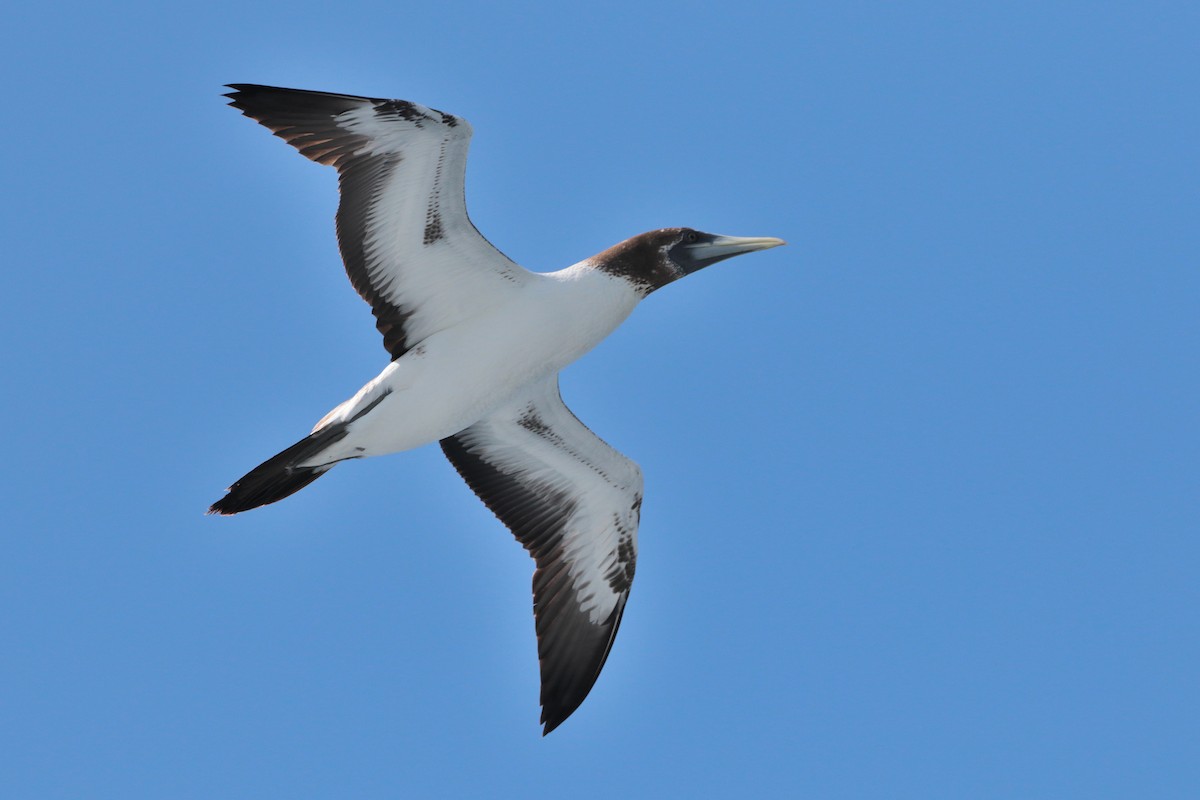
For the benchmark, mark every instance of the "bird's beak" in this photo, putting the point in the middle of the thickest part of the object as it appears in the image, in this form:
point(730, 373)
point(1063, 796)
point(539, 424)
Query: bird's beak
point(711, 248)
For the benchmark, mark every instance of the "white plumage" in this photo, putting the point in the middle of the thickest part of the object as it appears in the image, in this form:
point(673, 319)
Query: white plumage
point(477, 343)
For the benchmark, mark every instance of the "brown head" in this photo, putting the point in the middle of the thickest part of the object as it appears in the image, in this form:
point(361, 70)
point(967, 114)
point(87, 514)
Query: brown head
point(654, 259)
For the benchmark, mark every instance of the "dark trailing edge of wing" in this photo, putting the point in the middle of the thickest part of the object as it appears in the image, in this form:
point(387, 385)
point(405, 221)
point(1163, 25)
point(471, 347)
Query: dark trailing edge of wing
point(358, 181)
point(305, 120)
point(571, 648)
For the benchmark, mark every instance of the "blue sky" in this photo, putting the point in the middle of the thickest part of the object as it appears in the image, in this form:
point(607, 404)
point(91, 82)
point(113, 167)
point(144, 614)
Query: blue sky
point(921, 488)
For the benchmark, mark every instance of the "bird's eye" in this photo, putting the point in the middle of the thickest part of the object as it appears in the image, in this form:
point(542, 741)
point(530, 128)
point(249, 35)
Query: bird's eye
point(690, 237)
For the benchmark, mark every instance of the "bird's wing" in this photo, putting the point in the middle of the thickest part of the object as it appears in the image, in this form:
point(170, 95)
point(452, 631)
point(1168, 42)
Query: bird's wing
point(574, 503)
point(410, 249)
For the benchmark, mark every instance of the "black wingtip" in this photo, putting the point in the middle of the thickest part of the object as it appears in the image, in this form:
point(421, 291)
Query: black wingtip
point(281, 93)
point(240, 89)
point(262, 87)
point(244, 93)
point(558, 711)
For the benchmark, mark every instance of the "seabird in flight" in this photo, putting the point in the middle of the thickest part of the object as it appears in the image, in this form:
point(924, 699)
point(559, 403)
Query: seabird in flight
point(476, 345)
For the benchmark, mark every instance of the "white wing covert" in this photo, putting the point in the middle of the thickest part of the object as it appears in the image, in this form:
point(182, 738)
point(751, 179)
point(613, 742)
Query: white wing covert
point(408, 245)
point(574, 503)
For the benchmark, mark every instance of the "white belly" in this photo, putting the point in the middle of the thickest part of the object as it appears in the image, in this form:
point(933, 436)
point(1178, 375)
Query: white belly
point(456, 377)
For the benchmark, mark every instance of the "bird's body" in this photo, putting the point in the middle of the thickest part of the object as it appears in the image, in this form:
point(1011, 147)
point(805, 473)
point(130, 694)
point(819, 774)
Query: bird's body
point(476, 344)
point(459, 375)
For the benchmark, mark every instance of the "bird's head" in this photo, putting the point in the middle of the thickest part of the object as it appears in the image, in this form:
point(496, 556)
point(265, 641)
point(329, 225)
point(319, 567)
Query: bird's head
point(654, 259)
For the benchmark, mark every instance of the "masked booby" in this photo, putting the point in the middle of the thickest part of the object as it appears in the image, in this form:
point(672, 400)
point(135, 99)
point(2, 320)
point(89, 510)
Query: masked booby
point(476, 345)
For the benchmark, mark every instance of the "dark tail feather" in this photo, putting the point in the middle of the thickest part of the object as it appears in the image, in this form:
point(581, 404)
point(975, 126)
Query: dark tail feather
point(279, 476)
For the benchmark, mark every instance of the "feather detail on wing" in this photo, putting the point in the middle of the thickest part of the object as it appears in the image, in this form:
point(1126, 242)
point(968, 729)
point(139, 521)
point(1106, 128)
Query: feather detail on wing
point(408, 245)
point(574, 503)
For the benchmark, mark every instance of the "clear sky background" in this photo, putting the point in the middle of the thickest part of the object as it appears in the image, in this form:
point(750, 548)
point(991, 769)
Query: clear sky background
point(921, 504)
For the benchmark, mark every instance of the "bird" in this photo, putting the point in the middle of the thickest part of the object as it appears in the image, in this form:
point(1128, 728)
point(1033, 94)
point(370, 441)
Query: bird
point(476, 343)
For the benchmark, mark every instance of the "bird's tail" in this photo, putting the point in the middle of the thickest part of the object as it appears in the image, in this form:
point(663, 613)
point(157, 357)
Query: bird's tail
point(281, 475)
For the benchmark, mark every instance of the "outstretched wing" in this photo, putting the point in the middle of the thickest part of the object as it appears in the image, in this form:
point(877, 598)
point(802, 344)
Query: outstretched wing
point(409, 248)
point(574, 503)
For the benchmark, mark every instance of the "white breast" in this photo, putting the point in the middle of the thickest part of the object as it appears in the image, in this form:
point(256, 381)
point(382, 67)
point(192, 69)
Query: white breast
point(457, 376)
